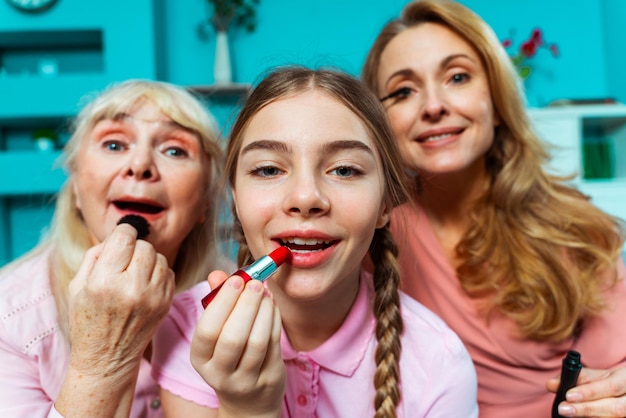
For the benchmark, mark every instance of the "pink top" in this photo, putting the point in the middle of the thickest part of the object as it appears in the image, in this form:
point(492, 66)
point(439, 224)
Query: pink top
point(512, 373)
point(336, 379)
point(34, 353)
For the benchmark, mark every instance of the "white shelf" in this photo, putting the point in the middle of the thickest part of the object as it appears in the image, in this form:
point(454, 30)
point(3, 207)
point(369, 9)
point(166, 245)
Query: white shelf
point(566, 128)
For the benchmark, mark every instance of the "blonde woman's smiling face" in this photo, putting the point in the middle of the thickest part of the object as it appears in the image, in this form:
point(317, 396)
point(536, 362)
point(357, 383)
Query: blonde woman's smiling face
point(439, 101)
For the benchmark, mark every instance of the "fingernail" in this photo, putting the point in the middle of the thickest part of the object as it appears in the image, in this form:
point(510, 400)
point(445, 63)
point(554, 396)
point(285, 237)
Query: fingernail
point(256, 285)
point(566, 410)
point(235, 283)
point(574, 396)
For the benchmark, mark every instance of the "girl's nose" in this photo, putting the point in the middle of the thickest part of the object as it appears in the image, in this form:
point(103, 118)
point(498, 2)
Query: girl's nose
point(306, 198)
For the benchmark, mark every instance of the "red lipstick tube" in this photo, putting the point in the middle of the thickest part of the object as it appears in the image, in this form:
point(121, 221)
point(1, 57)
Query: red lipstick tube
point(261, 270)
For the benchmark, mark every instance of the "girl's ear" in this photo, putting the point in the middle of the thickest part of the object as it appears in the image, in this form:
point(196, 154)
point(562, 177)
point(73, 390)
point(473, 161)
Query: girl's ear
point(235, 201)
point(384, 215)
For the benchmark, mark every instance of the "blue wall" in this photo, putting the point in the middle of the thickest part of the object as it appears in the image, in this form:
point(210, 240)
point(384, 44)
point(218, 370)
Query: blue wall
point(318, 33)
point(339, 32)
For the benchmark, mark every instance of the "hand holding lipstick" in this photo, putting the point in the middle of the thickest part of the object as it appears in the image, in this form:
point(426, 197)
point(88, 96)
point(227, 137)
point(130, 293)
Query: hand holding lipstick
point(236, 346)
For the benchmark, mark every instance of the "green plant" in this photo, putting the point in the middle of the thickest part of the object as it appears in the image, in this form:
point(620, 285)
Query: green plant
point(228, 13)
point(45, 133)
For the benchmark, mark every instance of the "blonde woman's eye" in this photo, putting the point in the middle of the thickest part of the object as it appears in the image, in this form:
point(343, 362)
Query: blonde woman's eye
point(114, 145)
point(401, 93)
point(460, 78)
point(176, 152)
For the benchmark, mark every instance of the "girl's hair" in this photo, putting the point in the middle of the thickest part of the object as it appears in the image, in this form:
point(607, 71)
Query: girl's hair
point(69, 237)
point(292, 81)
point(536, 246)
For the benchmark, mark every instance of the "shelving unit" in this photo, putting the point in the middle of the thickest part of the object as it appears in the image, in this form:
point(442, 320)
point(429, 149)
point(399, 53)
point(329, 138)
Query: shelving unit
point(569, 129)
point(48, 63)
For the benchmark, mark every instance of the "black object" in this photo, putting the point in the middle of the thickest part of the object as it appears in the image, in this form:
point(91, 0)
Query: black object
point(569, 375)
point(138, 222)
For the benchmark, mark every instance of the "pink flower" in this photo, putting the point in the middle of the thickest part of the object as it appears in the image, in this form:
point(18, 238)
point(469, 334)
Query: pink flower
point(528, 49)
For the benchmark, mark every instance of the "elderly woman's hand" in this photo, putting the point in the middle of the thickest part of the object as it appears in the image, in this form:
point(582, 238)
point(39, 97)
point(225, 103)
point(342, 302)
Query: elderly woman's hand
point(598, 393)
point(117, 299)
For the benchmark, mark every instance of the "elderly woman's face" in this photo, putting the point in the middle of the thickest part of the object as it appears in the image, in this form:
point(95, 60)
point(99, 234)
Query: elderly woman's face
point(142, 163)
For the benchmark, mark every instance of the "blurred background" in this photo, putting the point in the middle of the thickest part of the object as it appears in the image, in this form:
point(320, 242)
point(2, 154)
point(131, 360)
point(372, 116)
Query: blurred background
point(51, 59)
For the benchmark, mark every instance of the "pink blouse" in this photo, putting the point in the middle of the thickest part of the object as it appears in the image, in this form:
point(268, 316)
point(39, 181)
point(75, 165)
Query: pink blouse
point(512, 372)
point(34, 353)
point(336, 379)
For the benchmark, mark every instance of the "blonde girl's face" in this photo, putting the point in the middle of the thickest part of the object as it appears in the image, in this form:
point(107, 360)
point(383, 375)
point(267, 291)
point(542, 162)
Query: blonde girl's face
point(440, 104)
point(144, 164)
point(309, 177)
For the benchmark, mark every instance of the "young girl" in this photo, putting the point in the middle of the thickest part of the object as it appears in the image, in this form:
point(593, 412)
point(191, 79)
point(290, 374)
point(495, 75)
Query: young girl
point(313, 166)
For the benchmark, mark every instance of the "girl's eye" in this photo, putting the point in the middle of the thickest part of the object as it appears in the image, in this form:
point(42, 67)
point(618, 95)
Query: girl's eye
point(401, 93)
point(267, 171)
point(345, 171)
point(176, 152)
point(114, 145)
point(460, 78)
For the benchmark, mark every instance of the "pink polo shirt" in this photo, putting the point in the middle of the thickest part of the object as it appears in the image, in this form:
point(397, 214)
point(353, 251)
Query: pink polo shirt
point(34, 353)
point(512, 372)
point(336, 379)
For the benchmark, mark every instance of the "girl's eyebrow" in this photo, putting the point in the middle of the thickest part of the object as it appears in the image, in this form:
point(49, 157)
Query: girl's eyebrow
point(327, 148)
point(345, 144)
point(266, 144)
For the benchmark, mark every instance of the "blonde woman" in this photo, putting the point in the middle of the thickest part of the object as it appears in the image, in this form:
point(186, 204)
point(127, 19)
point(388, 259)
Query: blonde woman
point(522, 266)
point(79, 311)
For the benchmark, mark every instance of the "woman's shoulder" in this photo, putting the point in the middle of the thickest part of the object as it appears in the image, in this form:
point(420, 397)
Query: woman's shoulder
point(28, 313)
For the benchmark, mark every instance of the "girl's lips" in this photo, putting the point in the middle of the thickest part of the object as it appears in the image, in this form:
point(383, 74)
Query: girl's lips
point(309, 250)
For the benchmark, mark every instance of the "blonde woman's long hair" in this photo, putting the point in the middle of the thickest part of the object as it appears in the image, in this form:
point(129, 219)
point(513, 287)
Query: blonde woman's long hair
point(68, 239)
point(537, 249)
point(289, 82)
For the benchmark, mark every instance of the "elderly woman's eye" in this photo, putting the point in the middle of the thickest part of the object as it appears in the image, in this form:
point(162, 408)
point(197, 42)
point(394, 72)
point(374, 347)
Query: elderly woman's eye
point(112, 145)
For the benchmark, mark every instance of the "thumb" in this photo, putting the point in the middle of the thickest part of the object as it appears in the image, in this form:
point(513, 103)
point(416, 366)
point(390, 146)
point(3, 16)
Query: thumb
point(118, 249)
point(216, 278)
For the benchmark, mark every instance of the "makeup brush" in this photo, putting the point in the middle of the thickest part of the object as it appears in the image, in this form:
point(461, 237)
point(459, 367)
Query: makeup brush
point(138, 222)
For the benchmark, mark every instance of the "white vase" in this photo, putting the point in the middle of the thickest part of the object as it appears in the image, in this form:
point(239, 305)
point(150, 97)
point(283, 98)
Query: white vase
point(44, 144)
point(222, 71)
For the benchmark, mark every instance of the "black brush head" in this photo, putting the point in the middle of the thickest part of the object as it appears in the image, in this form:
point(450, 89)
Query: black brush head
point(138, 222)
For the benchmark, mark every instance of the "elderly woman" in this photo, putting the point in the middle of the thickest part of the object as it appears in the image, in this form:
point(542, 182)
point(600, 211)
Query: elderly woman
point(79, 310)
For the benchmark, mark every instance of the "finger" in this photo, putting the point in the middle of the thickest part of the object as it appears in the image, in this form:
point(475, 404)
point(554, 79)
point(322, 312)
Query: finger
point(607, 407)
point(142, 265)
point(596, 384)
point(259, 340)
point(216, 278)
point(85, 269)
point(236, 331)
point(117, 251)
point(213, 318)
